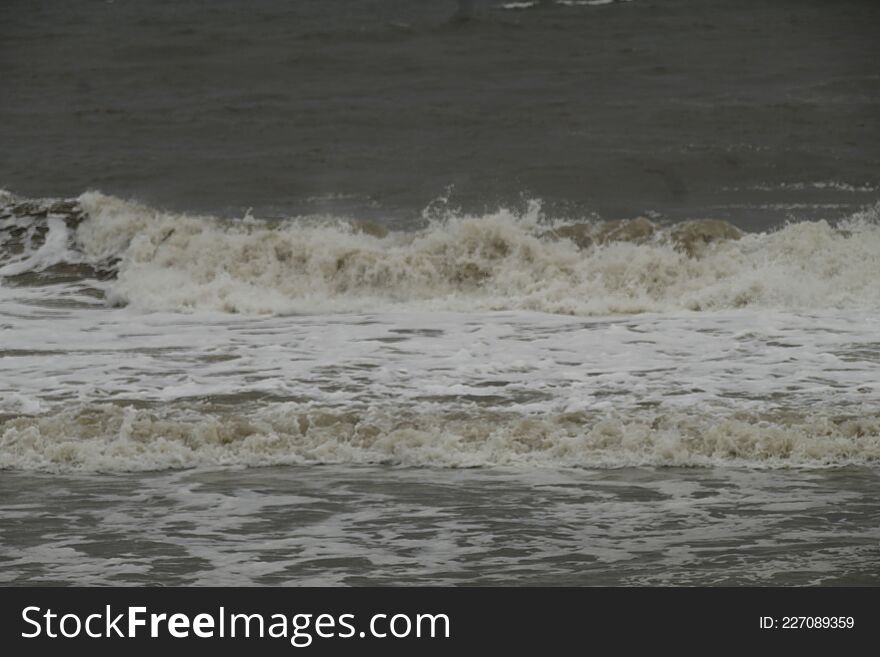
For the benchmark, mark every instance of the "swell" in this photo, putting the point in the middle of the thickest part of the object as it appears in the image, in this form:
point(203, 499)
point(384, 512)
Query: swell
point(498, 261)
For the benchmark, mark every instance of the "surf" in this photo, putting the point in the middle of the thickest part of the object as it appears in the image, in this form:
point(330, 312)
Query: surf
point(157, 260)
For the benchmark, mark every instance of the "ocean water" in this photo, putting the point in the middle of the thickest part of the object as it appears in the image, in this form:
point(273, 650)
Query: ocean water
point(346, 293)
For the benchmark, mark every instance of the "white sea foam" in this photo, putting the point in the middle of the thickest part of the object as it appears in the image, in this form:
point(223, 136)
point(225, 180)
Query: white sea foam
point(496, 261)
point(91, 389)
point(564, 3)
point(105, 437)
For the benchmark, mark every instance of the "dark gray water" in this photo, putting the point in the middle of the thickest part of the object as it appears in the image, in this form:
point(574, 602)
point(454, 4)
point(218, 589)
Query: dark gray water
point(511, 386)
point(380, 526)
point(728, 108)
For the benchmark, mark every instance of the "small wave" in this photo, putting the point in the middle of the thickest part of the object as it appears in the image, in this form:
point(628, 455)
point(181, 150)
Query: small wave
point(563, 3)
point(823, 185)
point(38, 242)
point(106, 437)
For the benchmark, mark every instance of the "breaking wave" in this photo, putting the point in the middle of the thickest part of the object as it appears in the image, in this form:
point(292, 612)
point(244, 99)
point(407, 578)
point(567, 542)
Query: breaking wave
point(505, 260)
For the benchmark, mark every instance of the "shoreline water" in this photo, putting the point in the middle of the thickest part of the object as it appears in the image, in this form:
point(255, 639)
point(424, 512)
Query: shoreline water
point(381, 526)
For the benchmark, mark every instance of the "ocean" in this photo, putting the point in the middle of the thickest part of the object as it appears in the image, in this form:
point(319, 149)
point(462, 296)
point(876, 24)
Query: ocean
point(479, 293)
